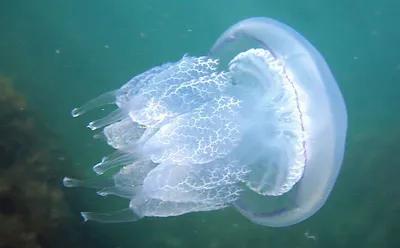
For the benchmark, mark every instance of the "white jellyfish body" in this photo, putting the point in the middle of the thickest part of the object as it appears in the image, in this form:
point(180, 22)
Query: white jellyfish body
point(264, 132)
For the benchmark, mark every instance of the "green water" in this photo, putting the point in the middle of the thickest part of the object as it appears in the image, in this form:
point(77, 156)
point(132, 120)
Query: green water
point(64, 52)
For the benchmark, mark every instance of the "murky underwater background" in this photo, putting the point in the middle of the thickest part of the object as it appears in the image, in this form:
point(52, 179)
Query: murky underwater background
point(59, 54)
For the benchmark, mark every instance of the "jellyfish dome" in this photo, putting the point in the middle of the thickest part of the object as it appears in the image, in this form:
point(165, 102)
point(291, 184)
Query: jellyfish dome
point(259, 124)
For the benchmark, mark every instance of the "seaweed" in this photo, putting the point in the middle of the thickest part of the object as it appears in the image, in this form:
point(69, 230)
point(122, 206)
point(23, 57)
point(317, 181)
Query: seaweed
point(33, 208)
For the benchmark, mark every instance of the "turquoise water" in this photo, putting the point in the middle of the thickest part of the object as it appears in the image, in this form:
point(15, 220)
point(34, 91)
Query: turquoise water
point(62, 53)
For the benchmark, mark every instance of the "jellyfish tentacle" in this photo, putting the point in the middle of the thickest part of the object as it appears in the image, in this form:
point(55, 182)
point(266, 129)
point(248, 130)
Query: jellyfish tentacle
point(114, 116)
point(120, 216)
point(117, 158)
point(104, 99)
point(124, 192)
point(90, 183)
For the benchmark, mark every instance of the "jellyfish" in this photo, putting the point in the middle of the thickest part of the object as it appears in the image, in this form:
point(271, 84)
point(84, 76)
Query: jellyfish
point(258, 124)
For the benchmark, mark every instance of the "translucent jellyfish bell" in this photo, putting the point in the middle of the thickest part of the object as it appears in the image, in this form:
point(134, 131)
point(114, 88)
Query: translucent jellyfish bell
point(321, 114)
point(258, 124)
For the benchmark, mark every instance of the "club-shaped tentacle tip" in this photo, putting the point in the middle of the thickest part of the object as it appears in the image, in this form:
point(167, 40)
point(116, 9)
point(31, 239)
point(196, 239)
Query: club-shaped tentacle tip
point(85, 216)
point(76, 112)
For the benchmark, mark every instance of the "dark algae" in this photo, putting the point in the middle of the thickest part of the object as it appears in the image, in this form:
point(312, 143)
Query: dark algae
point(33, 209)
